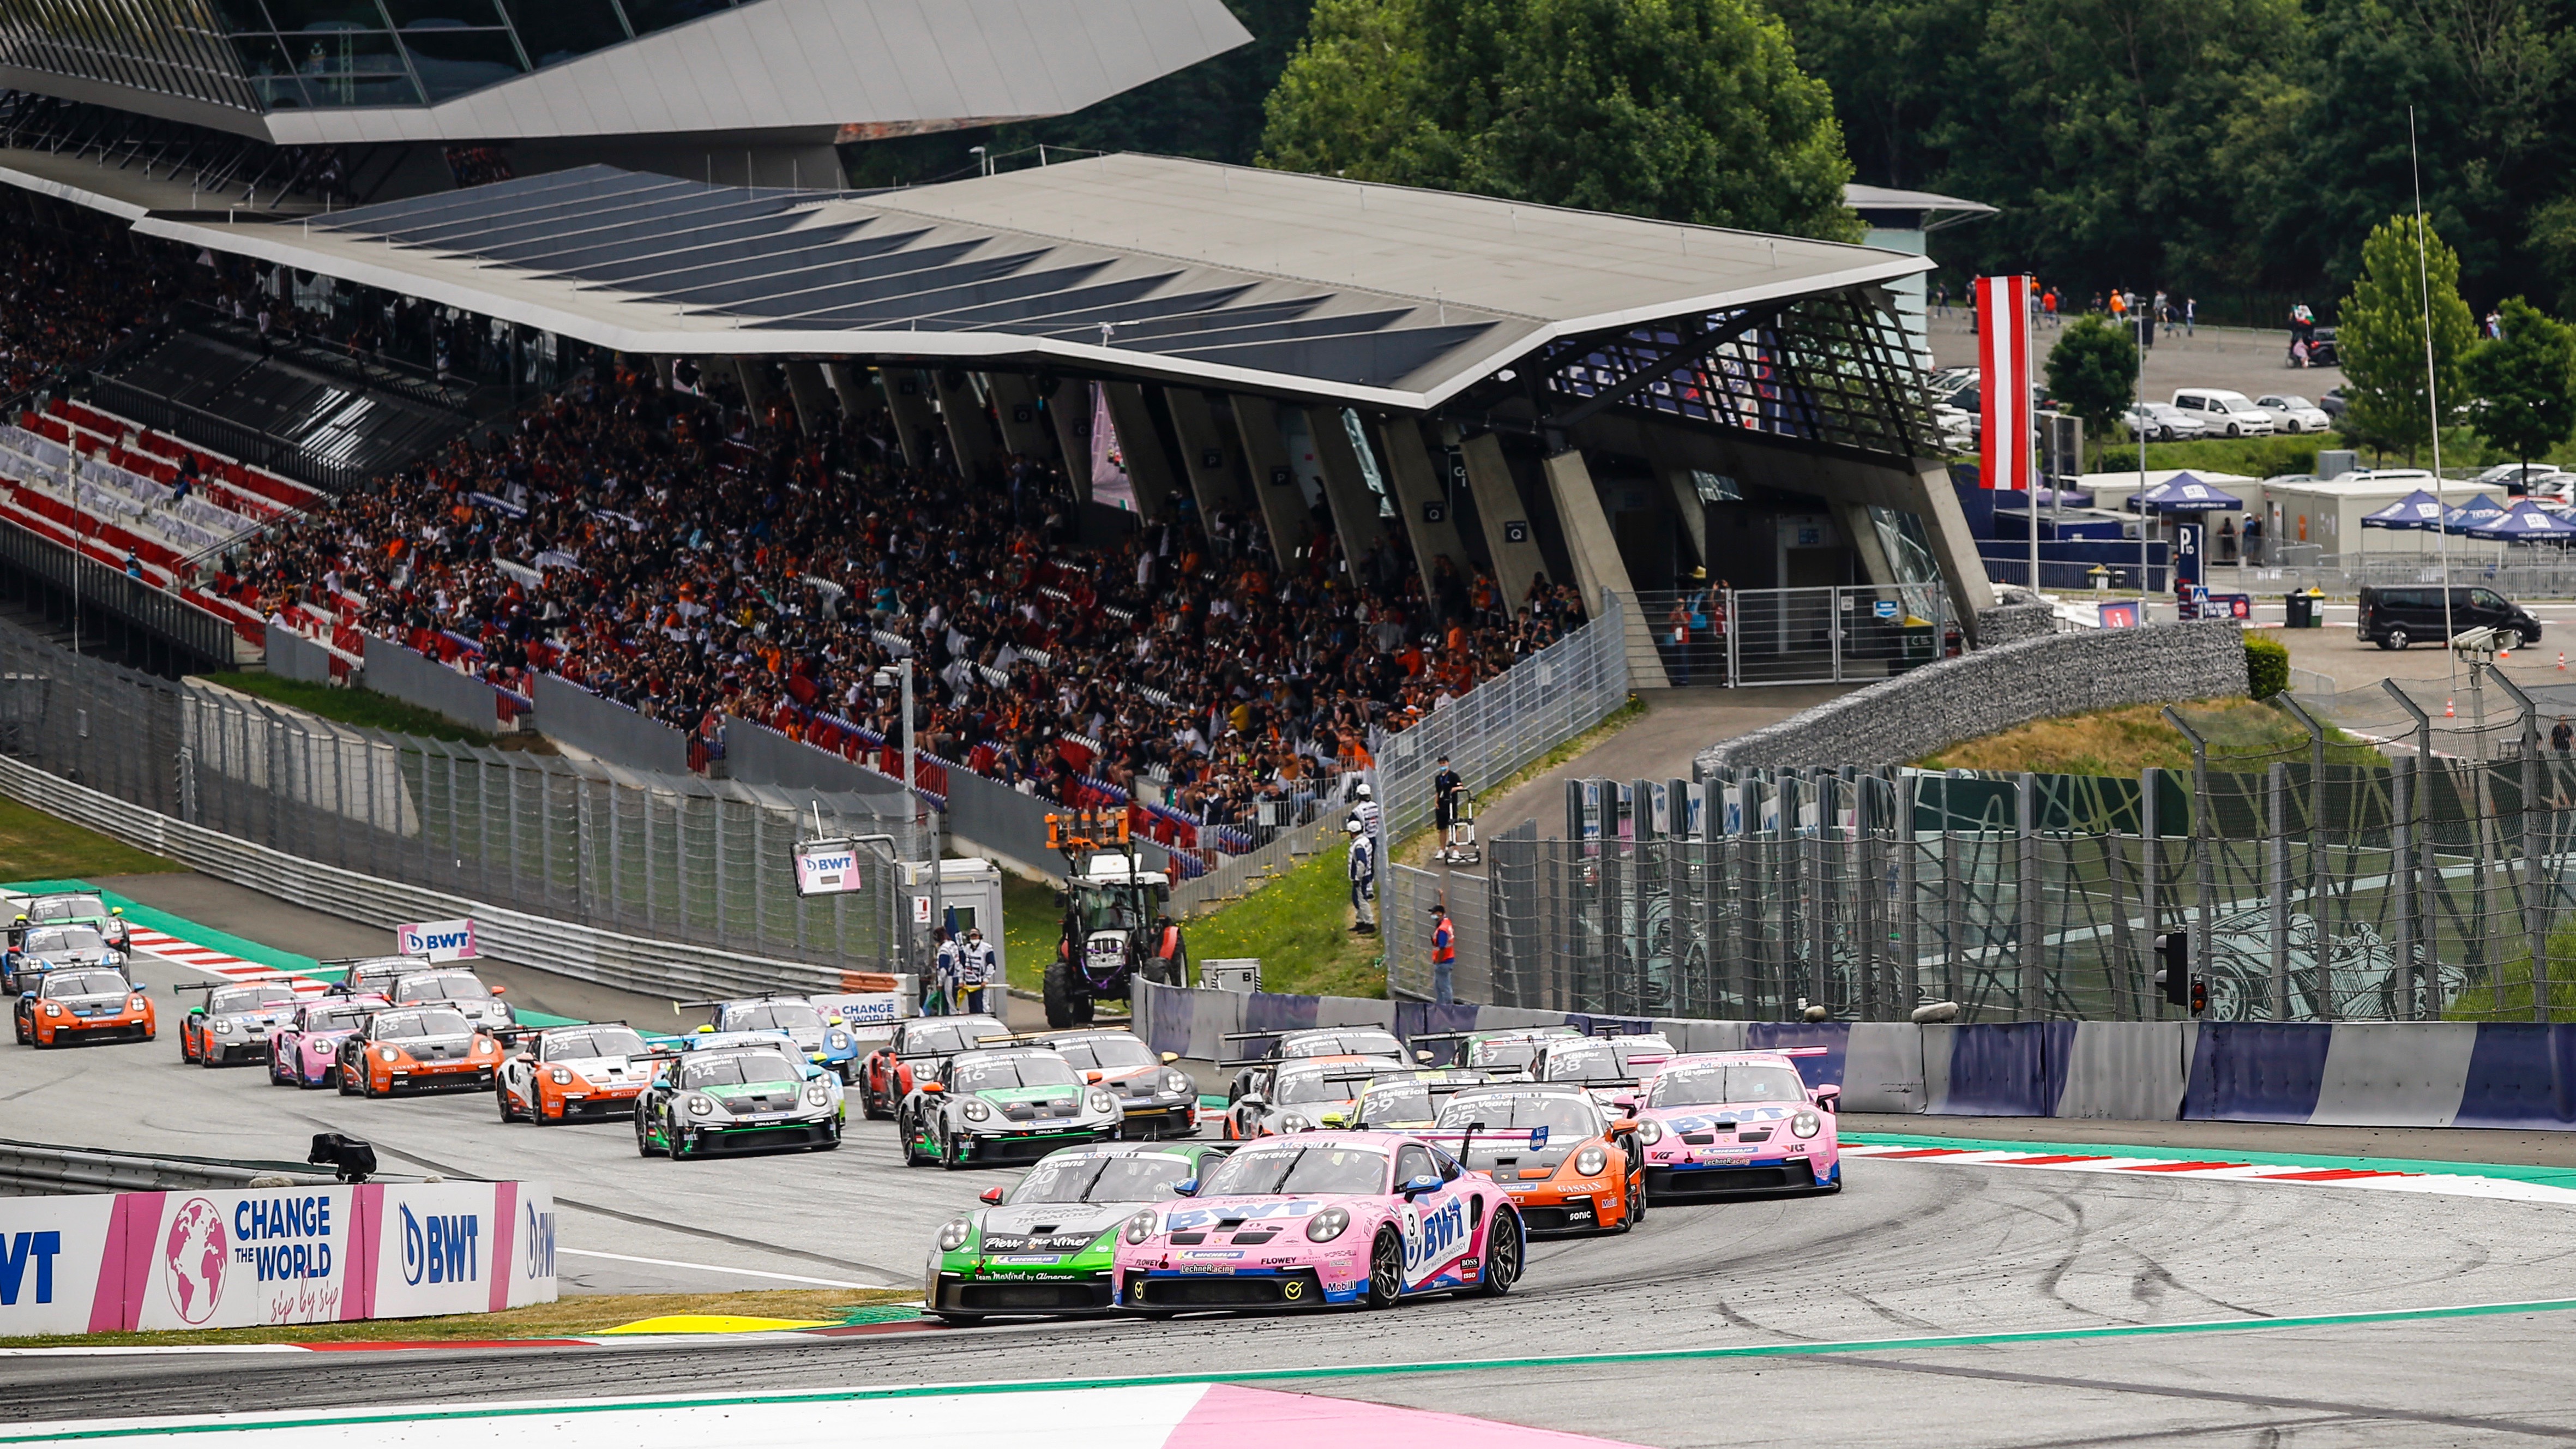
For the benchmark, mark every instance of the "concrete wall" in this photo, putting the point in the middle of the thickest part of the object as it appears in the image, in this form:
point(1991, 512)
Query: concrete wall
point(602, 728)
point(416, 679)
point(292, 656)
point(1994, 689)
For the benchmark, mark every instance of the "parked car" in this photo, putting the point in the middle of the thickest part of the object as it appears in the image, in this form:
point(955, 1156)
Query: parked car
point(2232, 414)
point(2293, 413)
point(2520, 479)
point(2165, 423)
point(2332, 404)
point(2393, 618)
point(1958, 427)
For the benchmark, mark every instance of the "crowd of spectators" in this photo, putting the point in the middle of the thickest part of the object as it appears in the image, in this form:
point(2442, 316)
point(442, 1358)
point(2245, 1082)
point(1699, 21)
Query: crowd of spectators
point(692, 561)
point(677, 553)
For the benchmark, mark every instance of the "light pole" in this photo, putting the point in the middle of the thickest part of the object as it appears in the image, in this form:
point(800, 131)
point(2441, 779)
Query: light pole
point(2138, 425)
point(900, 678)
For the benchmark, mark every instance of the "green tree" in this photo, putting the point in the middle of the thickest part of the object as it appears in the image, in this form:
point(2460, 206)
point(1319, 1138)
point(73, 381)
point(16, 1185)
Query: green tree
point(2526, 381)
point(2383, 331)
point(2093, 370)
point(1688, 110)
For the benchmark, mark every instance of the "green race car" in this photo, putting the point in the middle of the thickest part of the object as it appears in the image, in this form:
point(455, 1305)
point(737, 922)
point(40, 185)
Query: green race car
point(1044, 1245)
point(995, 1107)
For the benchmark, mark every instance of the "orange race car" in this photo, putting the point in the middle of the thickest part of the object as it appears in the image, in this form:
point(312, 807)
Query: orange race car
point(76, 1003)
point(416, 1048)
point(558, 1074)
point(1584, 1175)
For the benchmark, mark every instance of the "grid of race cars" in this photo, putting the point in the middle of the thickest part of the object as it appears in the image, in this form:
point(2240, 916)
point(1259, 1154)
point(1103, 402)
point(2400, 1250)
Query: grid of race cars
point(1348, 1166)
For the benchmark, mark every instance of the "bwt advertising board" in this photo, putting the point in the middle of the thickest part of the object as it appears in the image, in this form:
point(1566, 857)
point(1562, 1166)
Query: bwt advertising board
point(437, 940)
point(827, 867)
point(95, 1263)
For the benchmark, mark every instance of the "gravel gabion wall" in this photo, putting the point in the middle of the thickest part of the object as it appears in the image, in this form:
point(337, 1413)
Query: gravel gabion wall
point(1992, 689)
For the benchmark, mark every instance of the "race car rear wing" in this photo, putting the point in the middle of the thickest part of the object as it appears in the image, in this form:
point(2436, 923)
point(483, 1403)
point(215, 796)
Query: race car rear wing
point(1467, 1138)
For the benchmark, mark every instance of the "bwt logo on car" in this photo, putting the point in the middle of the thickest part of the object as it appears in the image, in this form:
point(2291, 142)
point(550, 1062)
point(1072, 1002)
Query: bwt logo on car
point(268, 1231)
point(540, 1237)
point(1439, 1232)
point(15, 1250)
point(442, 1247)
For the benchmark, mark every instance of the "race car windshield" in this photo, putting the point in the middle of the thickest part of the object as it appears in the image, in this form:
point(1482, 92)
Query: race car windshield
point(64, 938)
point(445, 986)
point(937, 1040)
point(333, 1018)
point(404, 1025)
point(1313, 1087)
point(1137, 1177)
point(606, 1041)
point(1567, 1117)
point(1733, 1082)
point(1321, 1171)
point(774, 1016)
point(1345, 1044)
point(1107, 1053)
point(1512, 1056)
point(85, 983)
point(67, 908)
point(1001, 1076)
point(738, 1069)
point(1631, 1049)
point(1595, 1063)
point(1408, 1103)
point(248, 998)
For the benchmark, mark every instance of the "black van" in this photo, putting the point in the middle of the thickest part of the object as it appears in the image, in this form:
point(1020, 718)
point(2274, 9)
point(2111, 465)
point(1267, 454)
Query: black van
point(2396, 617)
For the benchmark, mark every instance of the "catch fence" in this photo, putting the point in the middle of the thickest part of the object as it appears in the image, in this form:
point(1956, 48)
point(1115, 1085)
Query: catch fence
point(1749, 637)
point(667, 857)
point(2354, 877)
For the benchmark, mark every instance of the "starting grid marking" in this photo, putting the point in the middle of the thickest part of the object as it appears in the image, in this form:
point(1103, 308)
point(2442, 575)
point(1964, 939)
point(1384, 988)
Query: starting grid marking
point(2449, 1184)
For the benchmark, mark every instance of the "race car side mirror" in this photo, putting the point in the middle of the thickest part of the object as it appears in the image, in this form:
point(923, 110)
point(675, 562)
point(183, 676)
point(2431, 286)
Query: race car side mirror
point(990, 1195)
point(932, 1088)
point(1427, 1182)
point(835, 1021)
point(1830, 1098)
point(500, 991)
point(1092, 1078)
point(1170, 1057)
point(1254, 1100)
point(1422, 1054)
point(1186, 1187)
point(1632, 1109)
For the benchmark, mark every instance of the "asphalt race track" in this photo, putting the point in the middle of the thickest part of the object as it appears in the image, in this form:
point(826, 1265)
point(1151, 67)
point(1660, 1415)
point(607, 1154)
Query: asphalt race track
point(2133, 1302)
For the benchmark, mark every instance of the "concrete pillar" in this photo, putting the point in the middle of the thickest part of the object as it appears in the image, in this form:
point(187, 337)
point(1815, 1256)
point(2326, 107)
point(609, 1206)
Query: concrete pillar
point(813, 399)
point(1694, 513)
point(1068, 411)
point(857, 391)
point(1274, 478)
point(753, 374)
point(1509, 539)
point(907, 395)
point(1206, 460)
point(1148, 467)
point(970, 432)
point(1874, 565)
point(1598, 568)
point(1015, 407)
point(1419, 496)
point(1346, 490)
point(1927, 495)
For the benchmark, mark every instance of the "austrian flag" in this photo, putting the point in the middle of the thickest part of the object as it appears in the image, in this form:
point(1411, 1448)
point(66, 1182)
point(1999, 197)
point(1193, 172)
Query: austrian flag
point(2004, 452)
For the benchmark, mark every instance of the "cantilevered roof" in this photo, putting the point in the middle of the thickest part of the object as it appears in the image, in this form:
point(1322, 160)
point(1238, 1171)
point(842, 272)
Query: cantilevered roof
point(1128, 265)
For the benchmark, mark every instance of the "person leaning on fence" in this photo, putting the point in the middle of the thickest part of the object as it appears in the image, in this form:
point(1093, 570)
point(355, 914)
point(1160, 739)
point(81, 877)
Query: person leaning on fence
point(2561, 737)
point(977, 964)
point(1363, 866)
point(1444, 954)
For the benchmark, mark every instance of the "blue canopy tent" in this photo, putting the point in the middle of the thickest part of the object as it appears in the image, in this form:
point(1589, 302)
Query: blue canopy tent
point(2527, 523)
point(2477, 513)
point(2417, 510)
point(2183, 493)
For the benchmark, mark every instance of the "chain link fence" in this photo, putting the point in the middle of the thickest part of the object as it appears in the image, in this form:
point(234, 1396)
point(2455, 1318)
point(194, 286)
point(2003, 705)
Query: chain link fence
point(668, 857)
point(1747, 637)
point(2355, 878)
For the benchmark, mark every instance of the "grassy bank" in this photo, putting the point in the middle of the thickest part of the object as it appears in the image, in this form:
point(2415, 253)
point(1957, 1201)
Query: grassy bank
point(2127, 740)
point(36, 846)
point(362, 707)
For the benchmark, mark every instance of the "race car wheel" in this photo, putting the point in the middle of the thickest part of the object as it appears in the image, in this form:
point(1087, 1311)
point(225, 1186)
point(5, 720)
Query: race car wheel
point(187, 1045)
point(873, 1107)
point(508, 1112)
point(912, 1155)
point(1063, 996)
point(1502, 1256)
point(1386, 1271)
point(644, 1137)
point(1636, 1200)
point(675, 1144)
point(24, 1036)
point(952, 1155)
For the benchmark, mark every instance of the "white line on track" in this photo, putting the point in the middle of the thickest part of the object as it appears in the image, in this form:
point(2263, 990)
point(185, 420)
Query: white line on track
point(717, 1268)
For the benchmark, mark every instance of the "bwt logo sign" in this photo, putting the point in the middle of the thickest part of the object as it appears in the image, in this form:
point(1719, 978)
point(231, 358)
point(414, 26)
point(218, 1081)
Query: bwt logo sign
point(442, 1247)
point(438, 940)
point(15, 1250)
point(540, 1250)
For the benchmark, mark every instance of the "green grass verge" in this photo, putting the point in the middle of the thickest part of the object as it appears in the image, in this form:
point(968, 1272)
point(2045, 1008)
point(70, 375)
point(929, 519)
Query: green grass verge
point(1030, 922)
point(34, 844)
point(2124, 741)
point(362, 707)
point(1415, 849)
point(563, 1318)
point(1299, 927)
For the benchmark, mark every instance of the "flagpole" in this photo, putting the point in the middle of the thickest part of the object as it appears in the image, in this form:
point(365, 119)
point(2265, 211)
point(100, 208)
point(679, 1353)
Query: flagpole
point(2432, 400)
point(2021, 306)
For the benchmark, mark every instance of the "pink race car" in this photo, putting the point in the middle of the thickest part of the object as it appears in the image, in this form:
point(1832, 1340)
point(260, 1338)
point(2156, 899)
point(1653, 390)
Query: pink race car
point(304, 1051)
point(1322, 1219)
point(1722, 1124)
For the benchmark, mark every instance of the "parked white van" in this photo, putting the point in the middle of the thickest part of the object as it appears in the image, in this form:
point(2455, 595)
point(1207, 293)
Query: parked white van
point(2231, 413)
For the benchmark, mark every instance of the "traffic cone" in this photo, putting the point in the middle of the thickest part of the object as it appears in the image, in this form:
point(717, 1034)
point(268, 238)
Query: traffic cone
point(2562, 661)
point(2448, 712)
